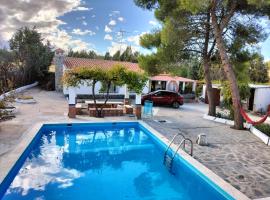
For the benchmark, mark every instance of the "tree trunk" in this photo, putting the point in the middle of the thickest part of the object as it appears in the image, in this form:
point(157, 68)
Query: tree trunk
point(94, 98)
point(209, 89)
point(207, 65)
point(107, 96)
point(238, 120)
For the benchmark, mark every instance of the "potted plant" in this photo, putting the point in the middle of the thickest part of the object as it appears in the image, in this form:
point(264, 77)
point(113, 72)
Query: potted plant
point(25, 99)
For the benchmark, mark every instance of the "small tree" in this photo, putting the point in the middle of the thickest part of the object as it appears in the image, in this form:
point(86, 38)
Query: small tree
point(32, 56)
point(117, 76)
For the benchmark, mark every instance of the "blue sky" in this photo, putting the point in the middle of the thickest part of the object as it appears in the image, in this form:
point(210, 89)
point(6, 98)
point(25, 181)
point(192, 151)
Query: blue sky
point(83, 24)
point(105, 19)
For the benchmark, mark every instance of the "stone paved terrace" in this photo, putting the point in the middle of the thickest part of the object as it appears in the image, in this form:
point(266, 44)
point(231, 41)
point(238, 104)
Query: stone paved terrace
point(237, 156)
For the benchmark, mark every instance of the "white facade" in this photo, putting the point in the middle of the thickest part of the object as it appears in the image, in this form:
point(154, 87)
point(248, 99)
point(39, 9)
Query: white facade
point(261, 99)
point(86, 89)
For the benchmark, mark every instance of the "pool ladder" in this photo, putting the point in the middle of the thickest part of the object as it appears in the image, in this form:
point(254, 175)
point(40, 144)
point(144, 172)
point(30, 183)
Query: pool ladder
point(168, 160)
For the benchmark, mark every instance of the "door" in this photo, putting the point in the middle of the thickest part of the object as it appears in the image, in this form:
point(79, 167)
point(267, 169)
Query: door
point(251, 99)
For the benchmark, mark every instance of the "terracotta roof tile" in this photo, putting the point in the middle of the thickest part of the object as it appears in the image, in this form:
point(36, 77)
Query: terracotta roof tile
point(71, 62)
point(167, 77)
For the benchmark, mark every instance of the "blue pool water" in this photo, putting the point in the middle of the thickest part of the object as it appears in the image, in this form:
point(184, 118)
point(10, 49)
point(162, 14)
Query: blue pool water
point(120, 161)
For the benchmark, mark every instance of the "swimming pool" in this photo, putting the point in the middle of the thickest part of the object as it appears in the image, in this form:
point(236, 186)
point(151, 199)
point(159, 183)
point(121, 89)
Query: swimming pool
point(102, 161)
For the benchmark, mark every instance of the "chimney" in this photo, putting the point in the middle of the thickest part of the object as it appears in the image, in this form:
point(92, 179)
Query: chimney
point(59, 68)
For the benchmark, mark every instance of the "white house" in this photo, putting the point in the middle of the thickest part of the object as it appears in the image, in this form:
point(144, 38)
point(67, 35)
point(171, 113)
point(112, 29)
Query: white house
point(63, 63)
point(258, 101)
point(163, 81)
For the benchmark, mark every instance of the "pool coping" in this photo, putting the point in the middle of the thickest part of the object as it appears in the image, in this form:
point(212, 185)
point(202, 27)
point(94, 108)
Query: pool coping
point(29, 134)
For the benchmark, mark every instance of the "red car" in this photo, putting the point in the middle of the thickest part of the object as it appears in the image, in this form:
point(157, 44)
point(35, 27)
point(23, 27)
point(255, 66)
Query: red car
point(164, 97)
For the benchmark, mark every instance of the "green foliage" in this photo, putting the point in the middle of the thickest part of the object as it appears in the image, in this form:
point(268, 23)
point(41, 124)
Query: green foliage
point(150, 64)
point(265, 128)
point(258, 70)
point(82, 54)
point(32, 55)
point(116, 56)
point(127, 55)
point(116, 76)
point(150, 41)
point(107, 56)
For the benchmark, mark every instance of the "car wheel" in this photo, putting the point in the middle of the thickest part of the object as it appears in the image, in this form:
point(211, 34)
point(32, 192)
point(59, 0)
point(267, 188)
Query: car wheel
point(175, 104)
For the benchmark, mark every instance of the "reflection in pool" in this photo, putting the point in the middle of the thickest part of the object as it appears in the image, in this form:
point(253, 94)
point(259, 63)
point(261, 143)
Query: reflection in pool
point(99, 162)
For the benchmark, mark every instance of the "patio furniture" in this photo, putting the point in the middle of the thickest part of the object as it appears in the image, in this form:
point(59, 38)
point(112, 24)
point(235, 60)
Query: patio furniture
point(99, 104)
point(107, 112)
point(128, 109)
point(148, 108)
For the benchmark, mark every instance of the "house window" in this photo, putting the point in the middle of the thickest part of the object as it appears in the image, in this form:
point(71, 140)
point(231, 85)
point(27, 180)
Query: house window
point(113, 89)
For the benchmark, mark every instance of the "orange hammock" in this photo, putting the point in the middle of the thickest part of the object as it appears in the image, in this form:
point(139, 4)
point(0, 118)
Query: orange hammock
point(250, 121)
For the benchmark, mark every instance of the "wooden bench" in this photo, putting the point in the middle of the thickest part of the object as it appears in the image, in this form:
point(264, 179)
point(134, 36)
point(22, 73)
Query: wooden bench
point(79, 107)
point(106, 112)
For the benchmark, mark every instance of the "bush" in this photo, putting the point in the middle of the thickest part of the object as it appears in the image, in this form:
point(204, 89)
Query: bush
point(265, 128)
point(225, 115)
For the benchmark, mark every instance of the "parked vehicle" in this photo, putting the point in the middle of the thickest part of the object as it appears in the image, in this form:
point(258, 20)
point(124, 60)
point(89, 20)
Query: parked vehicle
point(164, 97)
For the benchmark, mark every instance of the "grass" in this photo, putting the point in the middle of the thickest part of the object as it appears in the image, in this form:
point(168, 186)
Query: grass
point(265, 128)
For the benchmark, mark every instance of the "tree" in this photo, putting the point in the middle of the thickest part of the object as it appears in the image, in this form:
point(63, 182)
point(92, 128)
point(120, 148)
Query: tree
point(117, 76)
point(258, 70)
point(107, 56)
point(7, 60)
point(225, 20)
point(33, 57)
point(184, 35)
point(83, 54)
point(116, 56)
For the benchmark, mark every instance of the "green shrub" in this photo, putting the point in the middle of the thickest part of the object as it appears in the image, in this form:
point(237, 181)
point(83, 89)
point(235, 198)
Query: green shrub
point(265, 128)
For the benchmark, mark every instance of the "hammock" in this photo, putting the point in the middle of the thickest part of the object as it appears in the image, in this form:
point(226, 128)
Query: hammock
point(250, 121)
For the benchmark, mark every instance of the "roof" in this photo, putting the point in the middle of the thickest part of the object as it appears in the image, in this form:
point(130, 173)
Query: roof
point(167, 77)
point(71, 62)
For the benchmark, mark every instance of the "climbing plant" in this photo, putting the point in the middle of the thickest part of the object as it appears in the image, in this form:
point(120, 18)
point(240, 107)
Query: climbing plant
point(117, 76)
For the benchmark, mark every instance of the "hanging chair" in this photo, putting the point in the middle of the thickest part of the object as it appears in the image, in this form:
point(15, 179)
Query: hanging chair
point(250, 121)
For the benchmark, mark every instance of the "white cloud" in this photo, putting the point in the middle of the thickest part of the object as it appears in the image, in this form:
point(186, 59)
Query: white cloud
point(153, 23)
point(107, 29)
point(61, 39)
point(112, 23)
point(121, 19)
point(93, 16)
point(80, 32)
point(108, 37)
point(45, 16)
point(84, 23)
point(120, 47)
point(135, 38)
point(114, 13)
point(81, 18)
point(82, 8)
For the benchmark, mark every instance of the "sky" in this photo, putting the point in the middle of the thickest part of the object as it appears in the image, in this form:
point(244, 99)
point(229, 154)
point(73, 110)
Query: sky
point(99, 25)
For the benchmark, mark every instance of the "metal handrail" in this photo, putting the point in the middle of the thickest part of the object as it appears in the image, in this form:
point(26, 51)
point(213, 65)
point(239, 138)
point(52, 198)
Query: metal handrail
point(183, 142)
point(169, 146)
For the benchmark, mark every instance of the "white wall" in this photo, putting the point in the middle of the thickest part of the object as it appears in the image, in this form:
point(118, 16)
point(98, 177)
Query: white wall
point(87, 90)
point(261, 99)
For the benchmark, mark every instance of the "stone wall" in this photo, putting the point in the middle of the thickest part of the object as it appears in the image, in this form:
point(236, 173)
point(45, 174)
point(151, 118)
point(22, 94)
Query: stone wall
point(59, 63)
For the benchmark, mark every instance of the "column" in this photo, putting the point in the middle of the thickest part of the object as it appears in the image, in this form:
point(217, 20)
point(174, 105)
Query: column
point(183, 87)
point(138, 106)
point(194, 86)
point(72, 102)
point(126, 99)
